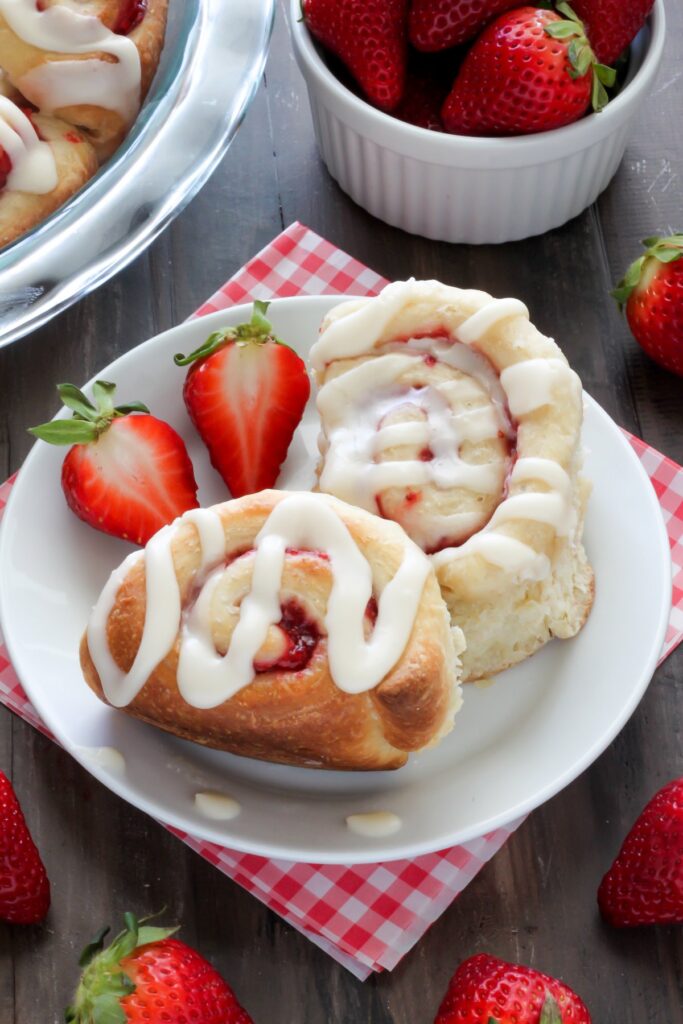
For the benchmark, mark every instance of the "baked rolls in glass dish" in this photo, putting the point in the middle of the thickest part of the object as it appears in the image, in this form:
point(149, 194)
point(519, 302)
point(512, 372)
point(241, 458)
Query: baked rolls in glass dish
point(43, 162)
point(447, 411)
point(88, 64)
point(282, 626)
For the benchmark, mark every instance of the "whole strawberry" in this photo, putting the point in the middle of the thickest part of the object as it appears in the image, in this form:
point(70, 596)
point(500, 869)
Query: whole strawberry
point(645, 883)
point(652, 293)
point(146, 977)
point(369, 36)
point(612, 24)
point(422, 102)
point(126, 474)
point(439, 24)
point(24, 887)
point(530, 70)
point(246, 392)
point(486, 990)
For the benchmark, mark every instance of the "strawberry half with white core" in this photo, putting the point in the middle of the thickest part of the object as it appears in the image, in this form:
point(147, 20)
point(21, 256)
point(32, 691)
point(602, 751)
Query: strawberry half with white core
point(529, 71)
point(147, 977)
point(246, 392)
point(651, 293)
point(127, 473)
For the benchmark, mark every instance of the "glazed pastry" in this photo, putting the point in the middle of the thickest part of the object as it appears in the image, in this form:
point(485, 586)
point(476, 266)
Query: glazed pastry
point(90, 63)
point(282, 626)
point(43, 162)
point(447, 411)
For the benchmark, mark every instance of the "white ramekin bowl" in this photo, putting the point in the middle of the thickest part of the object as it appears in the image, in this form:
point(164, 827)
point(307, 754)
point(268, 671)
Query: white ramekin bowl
point(463, 189)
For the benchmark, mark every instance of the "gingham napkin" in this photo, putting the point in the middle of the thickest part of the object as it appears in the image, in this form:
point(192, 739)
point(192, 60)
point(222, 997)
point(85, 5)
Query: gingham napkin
point(367, 917)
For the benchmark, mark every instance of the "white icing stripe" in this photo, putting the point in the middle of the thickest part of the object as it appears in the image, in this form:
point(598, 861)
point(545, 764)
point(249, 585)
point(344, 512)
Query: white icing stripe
point(550, 509)
point(507, 553)
point(529, 385)
point(374, 824)
point(207, 679)
point(491, 315)
point(56, 84)
point(551, 473)
point(33, 164)
point(354, 407)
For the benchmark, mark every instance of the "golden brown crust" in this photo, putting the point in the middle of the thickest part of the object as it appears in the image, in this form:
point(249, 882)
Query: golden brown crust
point(76, 164)
point(296, 717)
point(105, 129)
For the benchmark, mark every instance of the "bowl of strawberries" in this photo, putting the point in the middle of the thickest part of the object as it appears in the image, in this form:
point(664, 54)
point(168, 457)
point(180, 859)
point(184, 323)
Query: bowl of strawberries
point(476, 121)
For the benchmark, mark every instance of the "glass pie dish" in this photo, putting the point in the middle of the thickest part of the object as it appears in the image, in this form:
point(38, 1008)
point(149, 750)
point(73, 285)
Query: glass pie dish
point(210, 69)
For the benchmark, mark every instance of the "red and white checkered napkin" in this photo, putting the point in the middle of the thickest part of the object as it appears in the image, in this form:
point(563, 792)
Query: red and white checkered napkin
point(366, 917)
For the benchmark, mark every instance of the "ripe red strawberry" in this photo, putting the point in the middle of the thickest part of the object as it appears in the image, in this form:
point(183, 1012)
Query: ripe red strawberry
point(652, 292)
point(439, 24)
point(246, 392)
point(645, 883)
point(422, 102)
point(612, 24)
point(369, 36)
point(127, 475)
point(486, 990)
point(24, 888)
point(146, 977)
point(529, 71)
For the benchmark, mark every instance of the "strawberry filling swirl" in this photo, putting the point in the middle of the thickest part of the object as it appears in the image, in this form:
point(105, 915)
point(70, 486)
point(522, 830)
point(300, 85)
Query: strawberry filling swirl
point(291, 642)
point(421, 434)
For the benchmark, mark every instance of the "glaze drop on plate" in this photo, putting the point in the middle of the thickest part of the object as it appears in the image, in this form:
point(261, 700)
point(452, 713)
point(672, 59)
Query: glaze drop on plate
point(217, 806)
point(109, 758)
point(374, 824)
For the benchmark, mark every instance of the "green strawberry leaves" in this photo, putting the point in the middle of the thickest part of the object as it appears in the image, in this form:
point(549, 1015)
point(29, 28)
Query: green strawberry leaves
point(103, 984)
point(550, 1013)
point(88, 421)
point(256, 331)
point(580, 54)
point(664, 250)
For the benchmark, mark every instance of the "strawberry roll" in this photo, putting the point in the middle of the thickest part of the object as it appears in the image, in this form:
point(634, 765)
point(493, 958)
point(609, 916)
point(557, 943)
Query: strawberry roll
point(90, 66)
point(448, 412)
point(43, 162)
point(282, 626)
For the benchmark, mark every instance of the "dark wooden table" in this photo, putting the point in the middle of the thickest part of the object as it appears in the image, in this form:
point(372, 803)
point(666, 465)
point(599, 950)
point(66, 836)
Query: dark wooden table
point(536, 901)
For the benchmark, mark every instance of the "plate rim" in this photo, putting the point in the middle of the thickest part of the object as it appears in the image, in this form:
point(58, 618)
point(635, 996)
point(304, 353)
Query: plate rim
point(399, 850)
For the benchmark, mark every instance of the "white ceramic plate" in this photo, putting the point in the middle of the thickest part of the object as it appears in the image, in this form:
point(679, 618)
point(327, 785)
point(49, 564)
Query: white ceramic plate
point(514, 745)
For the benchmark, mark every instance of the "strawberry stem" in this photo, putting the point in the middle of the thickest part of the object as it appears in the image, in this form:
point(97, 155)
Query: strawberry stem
point(257, 331)
point(103, 983)
point(550, 1013)
point(88, 421)
point(580, 55)
point(666, 250)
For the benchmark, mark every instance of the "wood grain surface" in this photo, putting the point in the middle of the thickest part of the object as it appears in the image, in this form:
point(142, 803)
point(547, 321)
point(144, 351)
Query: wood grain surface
point(536, 901)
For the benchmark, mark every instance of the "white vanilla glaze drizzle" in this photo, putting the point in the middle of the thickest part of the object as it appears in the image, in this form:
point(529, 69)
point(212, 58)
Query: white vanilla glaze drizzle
point(113, 85)
point(217, 806)
point(109, 758)
point(207, 678)
point(354, 403)
point(529, 385)
point(374, 824)
point(33, 164)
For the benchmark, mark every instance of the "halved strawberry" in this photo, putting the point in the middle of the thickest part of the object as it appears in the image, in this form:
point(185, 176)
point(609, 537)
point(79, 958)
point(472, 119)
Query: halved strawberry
point(127, 475)
point(246, 392)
